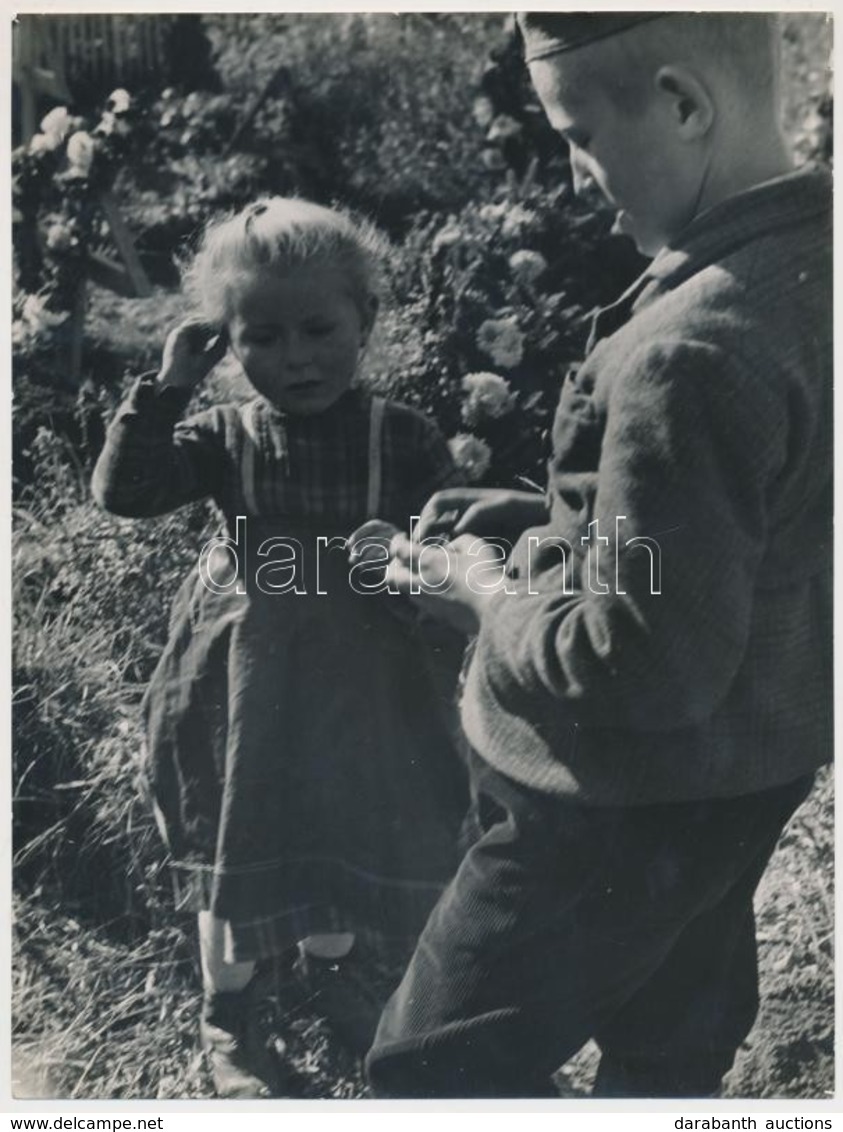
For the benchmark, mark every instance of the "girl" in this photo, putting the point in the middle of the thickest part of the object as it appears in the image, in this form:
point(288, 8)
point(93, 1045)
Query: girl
point(300, 768)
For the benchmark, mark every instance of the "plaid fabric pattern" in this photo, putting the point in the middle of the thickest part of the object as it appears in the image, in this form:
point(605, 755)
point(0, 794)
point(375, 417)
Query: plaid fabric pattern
point(700, 425)
point(297, 754)
point(309, 467)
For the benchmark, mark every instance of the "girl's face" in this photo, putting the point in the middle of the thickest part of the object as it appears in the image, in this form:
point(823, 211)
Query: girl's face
point(298, 336)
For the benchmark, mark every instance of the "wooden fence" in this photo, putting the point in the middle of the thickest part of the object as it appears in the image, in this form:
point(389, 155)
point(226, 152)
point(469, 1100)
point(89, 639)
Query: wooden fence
point(59, 56)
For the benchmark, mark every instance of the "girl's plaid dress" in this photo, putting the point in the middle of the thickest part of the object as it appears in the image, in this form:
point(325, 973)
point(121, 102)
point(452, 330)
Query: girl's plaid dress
point(298, 752)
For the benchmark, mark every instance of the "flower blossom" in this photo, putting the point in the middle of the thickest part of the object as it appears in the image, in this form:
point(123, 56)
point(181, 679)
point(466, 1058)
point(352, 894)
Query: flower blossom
point(81, 150)
point(56, 125)
point(471, 455)
point(502, 341)
point(488, 395)
point(113, 123)
point(527, 266)
point(119, 101)
point(43, 143)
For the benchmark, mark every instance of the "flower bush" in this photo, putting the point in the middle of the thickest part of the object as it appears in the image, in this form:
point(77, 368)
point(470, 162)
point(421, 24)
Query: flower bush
point(56, 181)
point(505, 285)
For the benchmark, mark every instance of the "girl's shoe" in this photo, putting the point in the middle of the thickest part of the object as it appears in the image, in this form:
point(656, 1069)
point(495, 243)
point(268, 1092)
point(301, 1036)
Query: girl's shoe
point(242, 1065)
point(339, 990)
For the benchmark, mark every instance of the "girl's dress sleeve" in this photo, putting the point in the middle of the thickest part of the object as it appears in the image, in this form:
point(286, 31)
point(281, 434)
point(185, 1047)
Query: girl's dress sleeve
point(151, 462)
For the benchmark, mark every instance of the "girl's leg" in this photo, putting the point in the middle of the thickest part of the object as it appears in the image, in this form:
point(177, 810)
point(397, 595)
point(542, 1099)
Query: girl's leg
point(217, 974)
point(240, 1062)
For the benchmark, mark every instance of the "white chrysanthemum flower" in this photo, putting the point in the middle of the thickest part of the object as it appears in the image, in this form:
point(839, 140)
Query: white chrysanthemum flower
point(43, 143)
point(471, 455)
point(488, 395)
point(81, 150)
point(57, 124)
point(527, 266)
point(503, 128)
point(119, 101)
point(502, 341)
point(113, 123)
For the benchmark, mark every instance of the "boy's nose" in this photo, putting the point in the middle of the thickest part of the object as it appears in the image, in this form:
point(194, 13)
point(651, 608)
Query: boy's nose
point(584, 184)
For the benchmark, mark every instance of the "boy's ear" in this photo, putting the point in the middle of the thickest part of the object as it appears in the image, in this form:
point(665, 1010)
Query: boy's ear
point(691, 104)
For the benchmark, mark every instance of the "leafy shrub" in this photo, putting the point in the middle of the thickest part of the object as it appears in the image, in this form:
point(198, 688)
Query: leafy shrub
point(342, 72)
point(501, 289)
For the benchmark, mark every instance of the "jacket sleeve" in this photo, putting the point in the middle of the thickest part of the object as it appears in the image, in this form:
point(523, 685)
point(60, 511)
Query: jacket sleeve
point(151, 462)
point(692, 444)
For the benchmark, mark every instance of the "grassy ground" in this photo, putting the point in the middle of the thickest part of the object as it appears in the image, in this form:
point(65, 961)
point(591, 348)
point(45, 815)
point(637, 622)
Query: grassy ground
point(97, 1018)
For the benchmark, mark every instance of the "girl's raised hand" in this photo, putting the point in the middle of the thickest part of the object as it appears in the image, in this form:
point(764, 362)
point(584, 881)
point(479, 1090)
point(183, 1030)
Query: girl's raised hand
point(191, 351)
point(370, 543)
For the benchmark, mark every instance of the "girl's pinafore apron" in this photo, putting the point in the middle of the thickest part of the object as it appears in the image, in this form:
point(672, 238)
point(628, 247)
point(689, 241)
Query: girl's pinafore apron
point(298, 751)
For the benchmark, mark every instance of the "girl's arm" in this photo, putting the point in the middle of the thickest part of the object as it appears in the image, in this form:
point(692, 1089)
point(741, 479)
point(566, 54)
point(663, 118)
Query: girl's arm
point(150, 463)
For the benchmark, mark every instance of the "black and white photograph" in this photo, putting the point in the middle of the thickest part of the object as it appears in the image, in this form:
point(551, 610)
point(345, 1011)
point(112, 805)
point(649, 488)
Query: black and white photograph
point(422, 556)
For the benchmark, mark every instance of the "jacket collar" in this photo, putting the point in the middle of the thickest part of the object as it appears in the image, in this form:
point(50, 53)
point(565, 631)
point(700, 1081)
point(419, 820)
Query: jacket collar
point(747, 215)
point(715, 233)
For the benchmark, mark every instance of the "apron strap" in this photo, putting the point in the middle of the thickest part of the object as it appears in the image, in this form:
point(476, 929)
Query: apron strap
point(249, 441)
point(373, 501)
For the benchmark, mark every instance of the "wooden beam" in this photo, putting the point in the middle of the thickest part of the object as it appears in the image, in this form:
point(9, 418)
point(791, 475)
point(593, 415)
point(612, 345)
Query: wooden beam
point(125, 245)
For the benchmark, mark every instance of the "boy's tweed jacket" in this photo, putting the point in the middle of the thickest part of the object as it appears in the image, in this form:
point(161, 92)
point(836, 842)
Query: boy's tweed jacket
point(701, 424)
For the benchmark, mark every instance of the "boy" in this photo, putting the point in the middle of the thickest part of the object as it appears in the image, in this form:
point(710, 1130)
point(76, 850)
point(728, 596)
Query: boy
point(649, 696)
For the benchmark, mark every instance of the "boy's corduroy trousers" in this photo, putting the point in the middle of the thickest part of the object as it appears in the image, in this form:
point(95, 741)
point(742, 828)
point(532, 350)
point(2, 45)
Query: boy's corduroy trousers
point(566, 922)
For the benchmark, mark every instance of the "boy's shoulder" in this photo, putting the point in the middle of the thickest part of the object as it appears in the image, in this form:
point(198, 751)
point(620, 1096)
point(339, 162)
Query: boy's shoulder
point(755, 282)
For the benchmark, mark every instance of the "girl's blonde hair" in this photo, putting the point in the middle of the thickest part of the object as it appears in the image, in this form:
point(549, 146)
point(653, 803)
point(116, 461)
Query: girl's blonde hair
point(280, 234)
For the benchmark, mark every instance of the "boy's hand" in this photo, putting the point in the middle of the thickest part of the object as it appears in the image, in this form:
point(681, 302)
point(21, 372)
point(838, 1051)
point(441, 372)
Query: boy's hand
point(191, 351)
point(486, 512)
point(437, 578)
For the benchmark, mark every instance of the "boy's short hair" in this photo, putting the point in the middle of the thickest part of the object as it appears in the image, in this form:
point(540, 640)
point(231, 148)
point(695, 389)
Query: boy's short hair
point(740, 49)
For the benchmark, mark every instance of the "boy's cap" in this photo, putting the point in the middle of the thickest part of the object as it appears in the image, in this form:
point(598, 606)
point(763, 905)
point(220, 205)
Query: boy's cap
point(550, 33)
